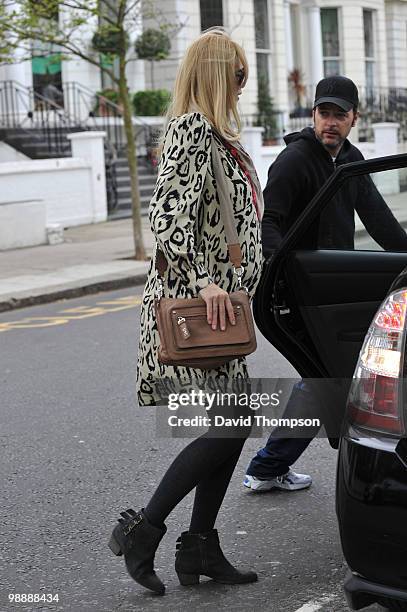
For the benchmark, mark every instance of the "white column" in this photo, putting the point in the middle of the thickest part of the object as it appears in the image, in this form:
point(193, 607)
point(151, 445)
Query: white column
point(315, 45)
point(252, 142)
point(386, 143)
point(21, 70)
point(17, 72)
point(288, 36)
point(89, 146)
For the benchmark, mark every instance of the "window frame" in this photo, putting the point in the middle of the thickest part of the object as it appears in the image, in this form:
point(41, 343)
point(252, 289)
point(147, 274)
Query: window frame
point(370, 60)
point(201, 11)
point(261, 51)
point(333, 58)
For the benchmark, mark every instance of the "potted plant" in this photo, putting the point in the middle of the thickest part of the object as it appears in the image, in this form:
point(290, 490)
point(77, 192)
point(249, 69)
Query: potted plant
point(295, 78)
point(109, 40)
point(103, 97)
point(266, 115)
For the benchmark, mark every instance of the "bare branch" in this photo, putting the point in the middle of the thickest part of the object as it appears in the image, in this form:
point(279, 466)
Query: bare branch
point(91, 12)
point(69, 46)
point(131, 7)
point(112, 6)
point(77, 7)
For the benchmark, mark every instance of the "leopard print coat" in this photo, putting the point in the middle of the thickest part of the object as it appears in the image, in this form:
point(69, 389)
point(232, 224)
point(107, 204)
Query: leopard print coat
point(185, 219)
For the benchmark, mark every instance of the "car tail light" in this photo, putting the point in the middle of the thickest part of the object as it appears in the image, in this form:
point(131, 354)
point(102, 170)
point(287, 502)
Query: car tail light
point(375, 397)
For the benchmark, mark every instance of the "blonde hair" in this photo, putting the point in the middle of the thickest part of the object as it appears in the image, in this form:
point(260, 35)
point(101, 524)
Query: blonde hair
point(206, 82)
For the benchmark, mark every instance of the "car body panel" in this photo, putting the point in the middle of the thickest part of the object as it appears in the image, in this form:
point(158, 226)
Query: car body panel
point(372, 509)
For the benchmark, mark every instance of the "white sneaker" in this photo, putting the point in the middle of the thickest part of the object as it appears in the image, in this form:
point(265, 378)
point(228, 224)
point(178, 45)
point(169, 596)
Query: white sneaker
point(287, 482)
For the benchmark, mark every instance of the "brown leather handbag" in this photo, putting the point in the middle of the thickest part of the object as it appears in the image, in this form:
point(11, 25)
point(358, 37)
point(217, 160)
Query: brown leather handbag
point(186, 338)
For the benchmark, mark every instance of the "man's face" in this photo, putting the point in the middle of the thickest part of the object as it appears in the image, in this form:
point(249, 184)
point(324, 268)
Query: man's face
point(332, 126)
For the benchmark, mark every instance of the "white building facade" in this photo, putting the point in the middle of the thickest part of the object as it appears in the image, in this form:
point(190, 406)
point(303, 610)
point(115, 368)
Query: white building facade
point(365, 40)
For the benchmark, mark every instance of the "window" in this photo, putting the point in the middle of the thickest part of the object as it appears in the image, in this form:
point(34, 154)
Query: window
point(266, 116)
point(368, 28)
point(262, 30)
point(261, 24)
point(211, 13)
point(330, 42)
point(46, 63)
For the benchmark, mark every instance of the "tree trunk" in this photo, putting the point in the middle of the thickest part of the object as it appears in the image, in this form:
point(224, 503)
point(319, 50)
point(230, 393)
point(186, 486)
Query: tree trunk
point(140, 252)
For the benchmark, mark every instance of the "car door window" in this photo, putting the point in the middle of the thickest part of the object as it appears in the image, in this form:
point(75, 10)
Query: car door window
point(365, 214)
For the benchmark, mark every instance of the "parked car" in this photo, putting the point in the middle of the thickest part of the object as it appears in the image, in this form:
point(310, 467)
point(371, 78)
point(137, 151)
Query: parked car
point(342, 316)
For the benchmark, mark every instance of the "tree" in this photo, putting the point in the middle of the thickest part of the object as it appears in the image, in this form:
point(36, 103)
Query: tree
point(25, 22)
point(266, 115)
point(153, 45)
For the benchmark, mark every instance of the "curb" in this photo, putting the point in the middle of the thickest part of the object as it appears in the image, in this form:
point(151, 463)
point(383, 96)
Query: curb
point(73, 292)
point(98, 287)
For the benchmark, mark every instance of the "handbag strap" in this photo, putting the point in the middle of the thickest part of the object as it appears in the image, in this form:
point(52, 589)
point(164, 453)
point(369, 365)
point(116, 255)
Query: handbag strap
point(234, 249)
point(232, 239)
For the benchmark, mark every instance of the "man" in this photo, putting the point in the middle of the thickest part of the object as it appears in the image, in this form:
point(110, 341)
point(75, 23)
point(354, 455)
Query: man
point(297, 174)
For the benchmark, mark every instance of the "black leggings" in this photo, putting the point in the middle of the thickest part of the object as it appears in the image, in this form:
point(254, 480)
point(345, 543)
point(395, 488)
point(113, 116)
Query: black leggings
point(207, 463)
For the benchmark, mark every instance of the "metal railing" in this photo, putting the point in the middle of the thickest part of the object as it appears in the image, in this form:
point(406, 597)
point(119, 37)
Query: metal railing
point(376, 104)
point(273, 127)
point(380, 105)
point(38, 126)
point(101, 113)
point(86, 104)
point(33, 123)
point(36, 117)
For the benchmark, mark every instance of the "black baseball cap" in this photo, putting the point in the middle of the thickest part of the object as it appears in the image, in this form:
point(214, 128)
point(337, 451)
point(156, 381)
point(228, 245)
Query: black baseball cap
point(337, 90)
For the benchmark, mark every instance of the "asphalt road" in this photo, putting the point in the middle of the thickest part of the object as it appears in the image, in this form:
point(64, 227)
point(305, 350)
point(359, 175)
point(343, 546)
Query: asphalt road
point(76, 450)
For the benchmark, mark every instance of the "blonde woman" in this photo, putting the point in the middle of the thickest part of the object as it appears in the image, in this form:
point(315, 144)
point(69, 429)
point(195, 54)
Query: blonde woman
point(185, 219)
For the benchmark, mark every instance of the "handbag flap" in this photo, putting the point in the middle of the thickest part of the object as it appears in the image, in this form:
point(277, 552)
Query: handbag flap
point(201, 334)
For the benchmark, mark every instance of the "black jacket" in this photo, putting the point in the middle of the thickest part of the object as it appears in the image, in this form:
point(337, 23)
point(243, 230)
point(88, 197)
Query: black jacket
point(297, 175)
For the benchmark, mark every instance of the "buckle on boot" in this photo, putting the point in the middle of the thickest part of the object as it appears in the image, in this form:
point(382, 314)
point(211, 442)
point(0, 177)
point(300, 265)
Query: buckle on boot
point(132, 519)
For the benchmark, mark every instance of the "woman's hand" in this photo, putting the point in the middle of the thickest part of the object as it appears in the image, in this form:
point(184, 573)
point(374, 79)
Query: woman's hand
point(217, 305)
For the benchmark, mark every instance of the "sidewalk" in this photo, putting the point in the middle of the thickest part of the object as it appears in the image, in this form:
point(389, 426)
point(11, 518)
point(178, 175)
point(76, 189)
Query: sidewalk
point(93, 258)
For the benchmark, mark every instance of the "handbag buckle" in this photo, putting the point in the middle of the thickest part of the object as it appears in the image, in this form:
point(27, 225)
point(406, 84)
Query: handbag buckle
point(239, 273)
point(160, 288)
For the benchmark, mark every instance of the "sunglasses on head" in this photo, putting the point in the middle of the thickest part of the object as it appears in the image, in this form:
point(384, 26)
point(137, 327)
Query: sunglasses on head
point(240, 76)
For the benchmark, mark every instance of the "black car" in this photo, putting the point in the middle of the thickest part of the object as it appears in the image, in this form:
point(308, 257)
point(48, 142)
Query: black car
point(341, 316)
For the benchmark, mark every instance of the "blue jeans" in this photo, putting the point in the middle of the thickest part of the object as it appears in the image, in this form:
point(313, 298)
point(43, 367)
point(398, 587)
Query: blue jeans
point(280, 453)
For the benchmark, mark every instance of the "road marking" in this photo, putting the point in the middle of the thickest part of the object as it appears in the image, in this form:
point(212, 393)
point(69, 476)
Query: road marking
point(314, 606)
point(74, 314)
point(273, 562)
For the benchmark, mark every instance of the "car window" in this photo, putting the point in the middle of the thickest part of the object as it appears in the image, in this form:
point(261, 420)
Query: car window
point(367, 212)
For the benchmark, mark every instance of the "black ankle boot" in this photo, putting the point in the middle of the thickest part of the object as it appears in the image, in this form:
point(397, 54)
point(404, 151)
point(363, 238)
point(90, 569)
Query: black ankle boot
point(200, 554)
point(136, 539)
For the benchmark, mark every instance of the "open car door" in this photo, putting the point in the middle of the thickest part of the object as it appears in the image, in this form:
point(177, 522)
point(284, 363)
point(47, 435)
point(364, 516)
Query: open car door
point(315, 306)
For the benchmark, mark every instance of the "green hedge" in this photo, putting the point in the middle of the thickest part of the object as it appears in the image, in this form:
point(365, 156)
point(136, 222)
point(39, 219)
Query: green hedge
point(151, 103)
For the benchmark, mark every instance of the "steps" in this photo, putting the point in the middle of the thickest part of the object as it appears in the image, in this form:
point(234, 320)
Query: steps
point(37, 143)
point(147, 176)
